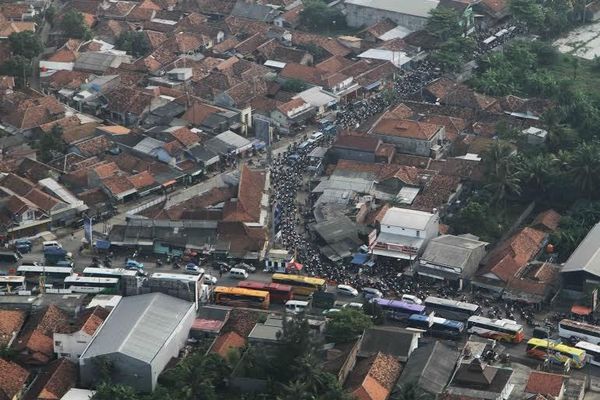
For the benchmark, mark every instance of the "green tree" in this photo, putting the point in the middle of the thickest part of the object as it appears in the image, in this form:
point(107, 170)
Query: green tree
point(73, 25)
point(26, 44)
point(50, 14)
point(110, 391)
point(412, 391)
point(537, 173)
point(444, 23)
point(294, 85)
point(51, 145)
point(501, 172)
point(453, 53)
point(133, 42)
point(347, 325)
point(528, 12)
point(318, 16)
point(19, 67)
point(584, 169)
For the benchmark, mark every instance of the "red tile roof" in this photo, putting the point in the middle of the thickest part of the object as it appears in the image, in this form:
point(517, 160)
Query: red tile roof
point(357, 142)
point(142, 180)
point(405, 128)
point(248, 206)
point(90, 320)
point(373, 378)
point(55, 382)
point(11, 322)
point(185, 136)
point(302, 72)
point(545, 383)
point(547, 221)
point(198, 112)
point(508, 258)
point(291, 105)
point(226, 342)
point(12, 379)
point(34, 112)
point(117, 184)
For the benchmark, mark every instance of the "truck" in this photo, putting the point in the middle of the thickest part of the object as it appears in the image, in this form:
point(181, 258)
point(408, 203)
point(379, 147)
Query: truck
point(54, 255)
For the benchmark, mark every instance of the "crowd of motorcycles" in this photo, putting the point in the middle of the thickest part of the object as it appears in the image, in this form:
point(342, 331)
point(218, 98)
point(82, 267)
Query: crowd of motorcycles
point(287, 172)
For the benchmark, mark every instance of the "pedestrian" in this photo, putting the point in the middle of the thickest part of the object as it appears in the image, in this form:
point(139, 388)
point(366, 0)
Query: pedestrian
point(220, 272)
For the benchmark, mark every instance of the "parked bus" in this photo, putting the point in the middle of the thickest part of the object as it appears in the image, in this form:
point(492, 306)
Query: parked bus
point(399, 310)
point(301, 285)
point(108, 272)
point(32, 273)
point(452, 309)
point(86, 284)
point(568, 329)
point(592, 352)
point(499, 329)
point(436, 326)
point(239, 297)
point(555, 352)
point(9, 256)
point(278, 293)
point(12, 284)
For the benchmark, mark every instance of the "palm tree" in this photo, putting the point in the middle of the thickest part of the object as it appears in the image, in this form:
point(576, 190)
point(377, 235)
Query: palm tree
point(535, 172)
point(585, 167)
point(295, 390)
point(412, 391)
point(501, 171)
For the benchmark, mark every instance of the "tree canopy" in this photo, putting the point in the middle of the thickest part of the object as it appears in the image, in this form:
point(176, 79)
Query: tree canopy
point(73, 25)
point(26, 44)
point(444, 23)
point(318, 16)
point(346, 325)
point(19, 67)
point(133, 42)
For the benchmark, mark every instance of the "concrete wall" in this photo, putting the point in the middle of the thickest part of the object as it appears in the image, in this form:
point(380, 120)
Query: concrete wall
point(126, 370)
point(357, 16)
point(71, 345)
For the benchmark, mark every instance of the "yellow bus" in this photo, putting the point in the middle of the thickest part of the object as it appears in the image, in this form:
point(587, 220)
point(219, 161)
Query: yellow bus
point(301, 285)
point(239, 297)
point(555, 352)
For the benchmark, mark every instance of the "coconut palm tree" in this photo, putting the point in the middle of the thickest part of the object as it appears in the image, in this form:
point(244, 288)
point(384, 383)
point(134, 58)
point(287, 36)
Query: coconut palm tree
point(536, 172)
point(584, 168)
point(501, 172)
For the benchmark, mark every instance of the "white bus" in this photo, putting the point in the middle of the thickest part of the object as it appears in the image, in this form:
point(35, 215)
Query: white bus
point(12, 284)
point(452, 309)
point(592, 352)
point(108, 272)
point(497, 329)
point(589, 333)
point(86, 284)
point(32, 273)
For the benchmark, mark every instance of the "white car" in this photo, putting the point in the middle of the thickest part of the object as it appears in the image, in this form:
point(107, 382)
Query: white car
point(193, 269)
point(356, 306)
point(371, 293)
point(346, 290)
point(331, 311)
point(247, 267)
point(210, 280)
point(409, 298)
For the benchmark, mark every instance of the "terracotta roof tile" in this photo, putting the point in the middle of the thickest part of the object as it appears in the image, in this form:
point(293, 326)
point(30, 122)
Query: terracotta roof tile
point(405, 128)
point(248, 206)
point(198, 112)
point(66, 79)
point(226, 342)
point(11, 322)
point(226, 45)
point(545, 383)
point(106, 170)
point(91, 319)
point(185, 136)
point(249, 45)
point(509, 257)
point(302, 72)
point(292, 16)
point(381, 27)
point(453, 126)
point(241, 321)
point(55, 382)
point(219, 7)
point(42, 200)
point(291, 105)
point(437, 193)
point(547, 221)
point(117, 185)
point(12, 379)
point(373, 378)
point(34, 112)
point(358, 142)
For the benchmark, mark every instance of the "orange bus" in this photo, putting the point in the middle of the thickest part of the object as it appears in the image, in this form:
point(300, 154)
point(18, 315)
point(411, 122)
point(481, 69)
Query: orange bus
point(240, 297)
point(278, 293)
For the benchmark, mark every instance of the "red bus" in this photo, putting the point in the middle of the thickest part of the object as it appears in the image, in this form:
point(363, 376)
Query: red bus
point(278, 293)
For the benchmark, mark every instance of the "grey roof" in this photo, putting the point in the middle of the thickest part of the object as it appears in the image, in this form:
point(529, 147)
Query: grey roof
point(336, 229)
point(207, 156)
point(139, 326)
point(430, 366)
point(417, 8)
point(233, 139)
point(257, 12)
point(386, 339)
point(451, 250)
point(586, 256)
point(218, 146)
point(147, 145)
point(92, 61)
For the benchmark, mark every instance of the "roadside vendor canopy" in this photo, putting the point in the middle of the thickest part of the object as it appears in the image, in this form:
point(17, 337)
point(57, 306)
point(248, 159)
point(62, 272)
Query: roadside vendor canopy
point(359, 259)
point(581, 310)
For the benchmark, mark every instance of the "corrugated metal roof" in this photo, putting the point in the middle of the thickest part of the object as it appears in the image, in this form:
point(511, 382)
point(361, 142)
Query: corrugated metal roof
point(418, 8)
point(586, 256)
point(139, 326)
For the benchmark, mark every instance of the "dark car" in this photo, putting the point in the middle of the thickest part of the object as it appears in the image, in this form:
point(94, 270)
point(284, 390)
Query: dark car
point(23, 245)
point(220, 265)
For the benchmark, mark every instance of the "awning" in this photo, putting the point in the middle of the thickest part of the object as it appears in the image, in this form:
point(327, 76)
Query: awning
point(359, 259)
point(102, 244)
point(581, 310)
point(169, 183)
point(259, 144)
point(373, 85)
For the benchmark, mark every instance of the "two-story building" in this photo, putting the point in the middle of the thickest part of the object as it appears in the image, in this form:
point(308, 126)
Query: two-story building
point(409, 136)
point(403, 233)
point(295, 111)
point(72, 344)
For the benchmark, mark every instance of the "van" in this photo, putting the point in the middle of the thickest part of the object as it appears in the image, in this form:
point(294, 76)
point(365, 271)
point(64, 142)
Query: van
point(409, 298)
point(346, 290)
point(296, 306)
point(238, 273)
point(315, 137)
point(134, 265)
point(50, 243)
point(371, 293)
point(303, 145)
